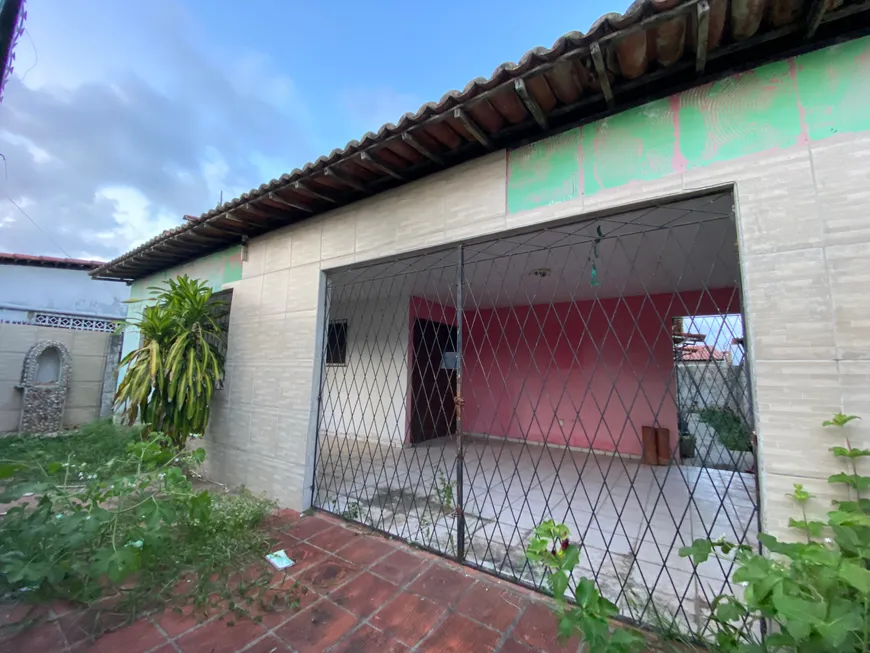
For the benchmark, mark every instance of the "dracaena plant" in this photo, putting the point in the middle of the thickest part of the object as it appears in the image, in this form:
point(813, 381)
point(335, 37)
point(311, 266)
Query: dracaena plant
point(171, 378)
point(589, 614)
point(814, 594)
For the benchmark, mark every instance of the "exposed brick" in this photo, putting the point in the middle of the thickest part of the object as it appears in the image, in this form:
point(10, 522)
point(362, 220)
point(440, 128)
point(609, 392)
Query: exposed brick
point(364, 594)
point(513, 646)
point(317, 627)
point(333, 538)
point(45, 637)
point(141, 636)
point(328, 574)
point(85, 625)
point(365, 550)
point(537, 629)
point(408, 618)
point(304, 556)
point(456, 634)
point(442, 584)
point(219, 637)
point(366, 639)
point(399, 567)
point(269, 644)
point(176, 622)
point(280, 605)
point(491, 604)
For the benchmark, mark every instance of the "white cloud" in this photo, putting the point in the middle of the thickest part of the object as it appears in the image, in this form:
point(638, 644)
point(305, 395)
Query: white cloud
point(135, 218)
point(133, 117)
point(38, 154)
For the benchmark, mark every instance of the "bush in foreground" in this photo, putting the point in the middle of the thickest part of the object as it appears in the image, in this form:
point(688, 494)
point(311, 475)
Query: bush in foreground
point(128, 524)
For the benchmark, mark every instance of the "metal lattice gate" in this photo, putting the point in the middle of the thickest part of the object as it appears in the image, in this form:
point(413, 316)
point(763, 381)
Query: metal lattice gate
point(584, 372)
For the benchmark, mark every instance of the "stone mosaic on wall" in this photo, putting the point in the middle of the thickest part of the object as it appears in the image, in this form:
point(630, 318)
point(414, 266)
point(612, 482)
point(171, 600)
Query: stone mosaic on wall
point(44, 381)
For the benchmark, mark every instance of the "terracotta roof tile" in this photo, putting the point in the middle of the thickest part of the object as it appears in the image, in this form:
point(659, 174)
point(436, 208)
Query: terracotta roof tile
point(651, 50)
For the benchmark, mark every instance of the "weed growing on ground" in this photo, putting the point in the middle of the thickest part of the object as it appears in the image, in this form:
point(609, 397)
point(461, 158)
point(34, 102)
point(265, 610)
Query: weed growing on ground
point(446, 491)
point(590, 613)
point(97, 447)
point(352, 511)
point(815, 594)
point(130, 528)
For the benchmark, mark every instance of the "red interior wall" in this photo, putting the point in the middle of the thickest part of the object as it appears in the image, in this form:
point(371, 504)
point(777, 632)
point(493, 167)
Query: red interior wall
point(604, 368)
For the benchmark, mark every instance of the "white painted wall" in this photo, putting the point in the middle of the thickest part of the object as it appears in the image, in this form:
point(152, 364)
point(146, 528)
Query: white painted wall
point(52, 289)
point(261, 434)
point(376, 372)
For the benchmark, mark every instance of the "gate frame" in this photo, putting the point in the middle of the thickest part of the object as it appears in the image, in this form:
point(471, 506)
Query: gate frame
point(460, 245)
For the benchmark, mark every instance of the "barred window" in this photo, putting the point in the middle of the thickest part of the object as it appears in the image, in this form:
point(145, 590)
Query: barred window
point(223, 319)
point(336, 343)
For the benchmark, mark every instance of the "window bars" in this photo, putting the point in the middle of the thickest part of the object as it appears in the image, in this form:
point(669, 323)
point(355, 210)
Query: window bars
point(557, 374)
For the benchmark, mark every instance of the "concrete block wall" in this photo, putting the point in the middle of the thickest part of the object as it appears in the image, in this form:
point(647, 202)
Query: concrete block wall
point(261, 431)
point(803, 220)
point(89, 351)
point(803, 269)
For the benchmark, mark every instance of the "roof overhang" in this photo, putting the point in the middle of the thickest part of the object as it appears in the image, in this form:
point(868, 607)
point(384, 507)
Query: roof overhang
point(48, 262)
point(655, 49)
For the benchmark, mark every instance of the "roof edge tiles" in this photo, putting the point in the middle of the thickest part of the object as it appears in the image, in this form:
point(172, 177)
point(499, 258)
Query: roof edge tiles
point(582, 77)
point(49, 261)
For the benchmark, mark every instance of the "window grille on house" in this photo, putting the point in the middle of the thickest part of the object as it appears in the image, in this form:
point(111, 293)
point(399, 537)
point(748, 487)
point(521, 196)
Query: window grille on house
point(336, 343)
point(223, 319)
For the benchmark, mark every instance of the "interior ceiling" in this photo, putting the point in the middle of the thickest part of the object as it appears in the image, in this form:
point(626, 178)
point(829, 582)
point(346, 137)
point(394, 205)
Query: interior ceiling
point(679, 246)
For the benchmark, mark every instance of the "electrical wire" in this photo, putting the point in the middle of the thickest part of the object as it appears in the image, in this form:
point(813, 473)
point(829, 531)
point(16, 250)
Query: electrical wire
point(35, 55)
point(36, 224)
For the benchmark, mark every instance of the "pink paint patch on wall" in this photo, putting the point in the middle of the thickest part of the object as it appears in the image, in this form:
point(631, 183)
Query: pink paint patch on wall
point(583, 374)
point(679, 163)
point(428, 310)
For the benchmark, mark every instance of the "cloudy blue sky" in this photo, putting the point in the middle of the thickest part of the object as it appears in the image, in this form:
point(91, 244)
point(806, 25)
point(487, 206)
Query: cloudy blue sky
point(123, 116)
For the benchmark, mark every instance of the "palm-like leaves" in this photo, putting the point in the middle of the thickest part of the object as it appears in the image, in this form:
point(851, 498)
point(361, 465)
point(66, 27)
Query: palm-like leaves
point(171, 378)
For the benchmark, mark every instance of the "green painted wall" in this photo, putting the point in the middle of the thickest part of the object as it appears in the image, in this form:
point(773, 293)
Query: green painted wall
point(803, 99)
point(217, 269)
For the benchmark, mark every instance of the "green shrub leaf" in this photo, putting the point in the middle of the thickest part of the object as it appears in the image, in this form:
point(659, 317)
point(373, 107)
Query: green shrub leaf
point(856, 575)
point(699, 551)
point(854, 481)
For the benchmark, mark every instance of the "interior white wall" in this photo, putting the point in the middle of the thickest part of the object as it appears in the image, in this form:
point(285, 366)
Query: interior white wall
point(365, 399)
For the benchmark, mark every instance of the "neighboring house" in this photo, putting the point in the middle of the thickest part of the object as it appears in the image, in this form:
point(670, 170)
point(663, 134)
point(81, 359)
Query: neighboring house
point(47, 299)
point(703, 354)
point(707, 377)
point(463, 324)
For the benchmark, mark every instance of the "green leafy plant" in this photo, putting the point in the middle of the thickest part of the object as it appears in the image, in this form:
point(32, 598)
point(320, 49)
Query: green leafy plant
point(131, 528)
point(687, 445)
point(352, 511)
point(100, 446)
point(730, 428)
point(170, 379)
point(445, 491)
point(815, 593)
point(590, 613)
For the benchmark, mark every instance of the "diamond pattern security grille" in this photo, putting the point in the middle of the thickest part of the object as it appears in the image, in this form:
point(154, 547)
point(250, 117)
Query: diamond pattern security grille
point(73, 322)
point(593, 373)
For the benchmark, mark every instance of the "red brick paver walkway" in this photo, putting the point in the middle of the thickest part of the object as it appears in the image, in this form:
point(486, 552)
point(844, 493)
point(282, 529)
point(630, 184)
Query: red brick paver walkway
point(366, 593)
